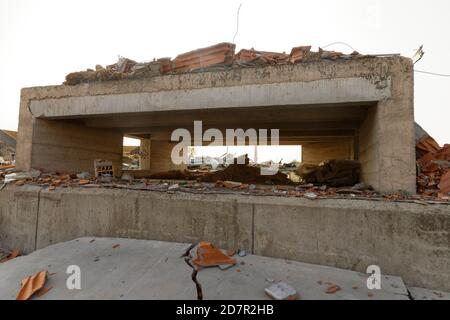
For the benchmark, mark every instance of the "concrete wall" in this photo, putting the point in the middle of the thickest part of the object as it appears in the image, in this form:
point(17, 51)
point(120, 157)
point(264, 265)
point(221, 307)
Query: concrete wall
point(19, 208)
point(160, 158)
point(62, 146)
point(404, 239)
point(316, 152)
point(69, 147)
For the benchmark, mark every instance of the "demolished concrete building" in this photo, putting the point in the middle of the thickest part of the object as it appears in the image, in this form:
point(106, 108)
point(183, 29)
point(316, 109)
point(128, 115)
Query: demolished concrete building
point(348, 107)
point(351, 107)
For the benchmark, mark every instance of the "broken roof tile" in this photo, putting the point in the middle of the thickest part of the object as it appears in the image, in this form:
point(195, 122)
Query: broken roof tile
point(298, 53)
point(444, 184)
point(30, 285)
point(208, 255)
point(222, 53)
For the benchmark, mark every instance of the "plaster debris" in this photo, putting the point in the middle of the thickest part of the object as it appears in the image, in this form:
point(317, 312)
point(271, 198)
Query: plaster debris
point(310, 195)
point(242, 253)
point(22, 176)
point(83, 175)
point(173, 187)
point(225, 266)
point(281, 291)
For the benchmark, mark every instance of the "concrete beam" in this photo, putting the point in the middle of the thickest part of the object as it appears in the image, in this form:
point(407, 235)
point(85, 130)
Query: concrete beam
point(324, 91)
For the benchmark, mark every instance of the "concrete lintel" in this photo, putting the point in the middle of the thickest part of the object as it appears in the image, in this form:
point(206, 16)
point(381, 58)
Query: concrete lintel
point(343, 90)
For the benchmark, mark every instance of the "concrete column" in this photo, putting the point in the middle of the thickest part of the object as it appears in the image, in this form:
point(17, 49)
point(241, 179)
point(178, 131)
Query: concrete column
point(144, 159)
point(160, 157)
point(386, 137)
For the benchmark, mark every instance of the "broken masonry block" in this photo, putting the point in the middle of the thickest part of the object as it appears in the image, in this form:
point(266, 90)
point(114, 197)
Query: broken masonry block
point(103, 168)
point(281, 291)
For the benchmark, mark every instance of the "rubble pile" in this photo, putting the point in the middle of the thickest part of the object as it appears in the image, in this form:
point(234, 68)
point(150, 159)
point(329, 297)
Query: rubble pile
point(218, 57)
point(245, 173)
point(334, 173)
point(174, 175)
point(433, 166)
point(173, 183)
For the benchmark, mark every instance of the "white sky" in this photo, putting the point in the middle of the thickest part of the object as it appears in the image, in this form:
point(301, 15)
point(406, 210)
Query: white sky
point(41, 41)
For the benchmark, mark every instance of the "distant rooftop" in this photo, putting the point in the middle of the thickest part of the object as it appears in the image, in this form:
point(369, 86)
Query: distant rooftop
point(8, 137)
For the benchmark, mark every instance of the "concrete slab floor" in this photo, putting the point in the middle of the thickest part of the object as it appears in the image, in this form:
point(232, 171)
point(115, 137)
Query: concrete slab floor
point(425, 294)
point(145, 269)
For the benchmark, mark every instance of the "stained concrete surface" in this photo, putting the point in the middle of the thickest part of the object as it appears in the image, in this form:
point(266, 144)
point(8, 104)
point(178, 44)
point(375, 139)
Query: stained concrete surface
point(426, 294)
point(408, 240)
point(145, 269)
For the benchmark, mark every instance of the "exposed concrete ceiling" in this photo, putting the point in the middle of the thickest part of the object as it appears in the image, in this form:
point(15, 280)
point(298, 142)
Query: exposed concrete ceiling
point(300, 120)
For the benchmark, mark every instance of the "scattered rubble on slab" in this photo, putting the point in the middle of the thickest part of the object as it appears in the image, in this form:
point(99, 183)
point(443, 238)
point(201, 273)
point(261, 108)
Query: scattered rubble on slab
point(176, 182)
point(334, 173)
point(220, 56)
point(6, 255)
point(332, 179)
point(246, 174)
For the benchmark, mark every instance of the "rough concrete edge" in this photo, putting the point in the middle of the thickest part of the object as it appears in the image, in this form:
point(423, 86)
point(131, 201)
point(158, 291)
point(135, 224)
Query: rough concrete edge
point(225, 77)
